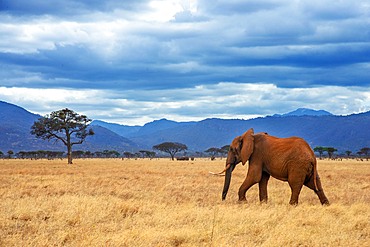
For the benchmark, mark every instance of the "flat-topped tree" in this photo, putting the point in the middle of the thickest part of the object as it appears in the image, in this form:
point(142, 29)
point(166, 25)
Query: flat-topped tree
point(64, 125)
point(171, 148)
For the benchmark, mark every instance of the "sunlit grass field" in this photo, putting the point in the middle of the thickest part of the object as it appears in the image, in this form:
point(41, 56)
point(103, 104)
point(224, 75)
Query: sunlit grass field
point(159, 202)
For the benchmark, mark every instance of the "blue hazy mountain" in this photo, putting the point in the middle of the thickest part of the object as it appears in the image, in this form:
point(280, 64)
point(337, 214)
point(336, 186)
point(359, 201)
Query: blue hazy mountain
point(122, 130)
point(317, 127)
point(15, 127)
point(305, 112)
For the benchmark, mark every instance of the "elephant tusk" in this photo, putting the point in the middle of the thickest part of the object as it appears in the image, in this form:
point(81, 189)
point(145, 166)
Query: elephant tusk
point(216, 173)
point(221, 173)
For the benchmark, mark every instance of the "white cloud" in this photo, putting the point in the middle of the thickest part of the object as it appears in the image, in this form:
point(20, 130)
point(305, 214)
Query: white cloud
point(43, 101)
point(224, 100)
point(102, 32)
point(161, 11)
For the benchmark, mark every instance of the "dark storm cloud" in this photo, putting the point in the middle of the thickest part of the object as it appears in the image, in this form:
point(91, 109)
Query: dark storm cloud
point(172, 54)
point(250, 38)
point(62, 8)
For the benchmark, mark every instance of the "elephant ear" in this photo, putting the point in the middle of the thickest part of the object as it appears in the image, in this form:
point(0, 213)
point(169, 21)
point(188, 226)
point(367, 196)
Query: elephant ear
point(247, 143)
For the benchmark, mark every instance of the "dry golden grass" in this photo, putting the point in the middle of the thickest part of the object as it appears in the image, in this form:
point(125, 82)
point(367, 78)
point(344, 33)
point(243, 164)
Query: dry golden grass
point(172, 203)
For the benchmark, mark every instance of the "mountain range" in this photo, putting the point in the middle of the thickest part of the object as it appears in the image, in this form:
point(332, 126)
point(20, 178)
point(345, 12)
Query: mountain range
point(318, 128)
point(15, 127)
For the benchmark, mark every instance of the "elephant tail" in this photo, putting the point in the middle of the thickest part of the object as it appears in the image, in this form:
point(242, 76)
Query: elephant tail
point(315, 174)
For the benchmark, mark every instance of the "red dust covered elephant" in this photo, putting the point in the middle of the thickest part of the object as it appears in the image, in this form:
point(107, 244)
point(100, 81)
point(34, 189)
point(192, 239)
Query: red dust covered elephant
point(287, 159)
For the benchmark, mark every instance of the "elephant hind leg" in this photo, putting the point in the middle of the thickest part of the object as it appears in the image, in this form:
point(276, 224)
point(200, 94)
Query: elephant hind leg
point(296, 190)
point(263, 186)
point(296, 184)
point(319, 191)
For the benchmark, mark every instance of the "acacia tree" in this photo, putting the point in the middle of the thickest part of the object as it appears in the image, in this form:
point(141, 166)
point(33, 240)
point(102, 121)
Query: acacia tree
point(225, 148)
point(320, 150)
point(348, 152)
point(171, 148)
point(330, 151)
point(365, 151)
point(148, 154)
point(213, 152)
point(10, 153)
point(128, 155)
point(64, 125)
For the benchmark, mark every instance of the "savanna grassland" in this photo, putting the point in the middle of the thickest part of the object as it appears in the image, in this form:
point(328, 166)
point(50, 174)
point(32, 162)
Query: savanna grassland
point(113, 202)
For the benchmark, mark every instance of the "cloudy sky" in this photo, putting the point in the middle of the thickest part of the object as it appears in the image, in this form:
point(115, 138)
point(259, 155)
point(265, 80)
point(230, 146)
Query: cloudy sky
point(131, 62)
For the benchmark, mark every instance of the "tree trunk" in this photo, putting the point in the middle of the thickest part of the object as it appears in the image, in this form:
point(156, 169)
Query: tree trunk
point(69, 154)
point(69, 147)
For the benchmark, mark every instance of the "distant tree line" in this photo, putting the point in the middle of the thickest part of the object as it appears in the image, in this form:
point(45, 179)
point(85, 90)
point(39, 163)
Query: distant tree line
point(43, 154)
point(363, 152)
point(171, 148)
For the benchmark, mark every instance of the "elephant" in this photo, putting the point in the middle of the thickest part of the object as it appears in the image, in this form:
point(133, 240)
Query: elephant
point(287, 159)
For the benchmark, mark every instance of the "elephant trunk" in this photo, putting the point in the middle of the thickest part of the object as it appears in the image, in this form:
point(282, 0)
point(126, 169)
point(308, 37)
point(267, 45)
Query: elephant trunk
point(227, 180)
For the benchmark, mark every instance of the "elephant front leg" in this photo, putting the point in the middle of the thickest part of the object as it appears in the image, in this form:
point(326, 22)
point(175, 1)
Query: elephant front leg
point(252, 178)
point(263, 187)
point(243, 189)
